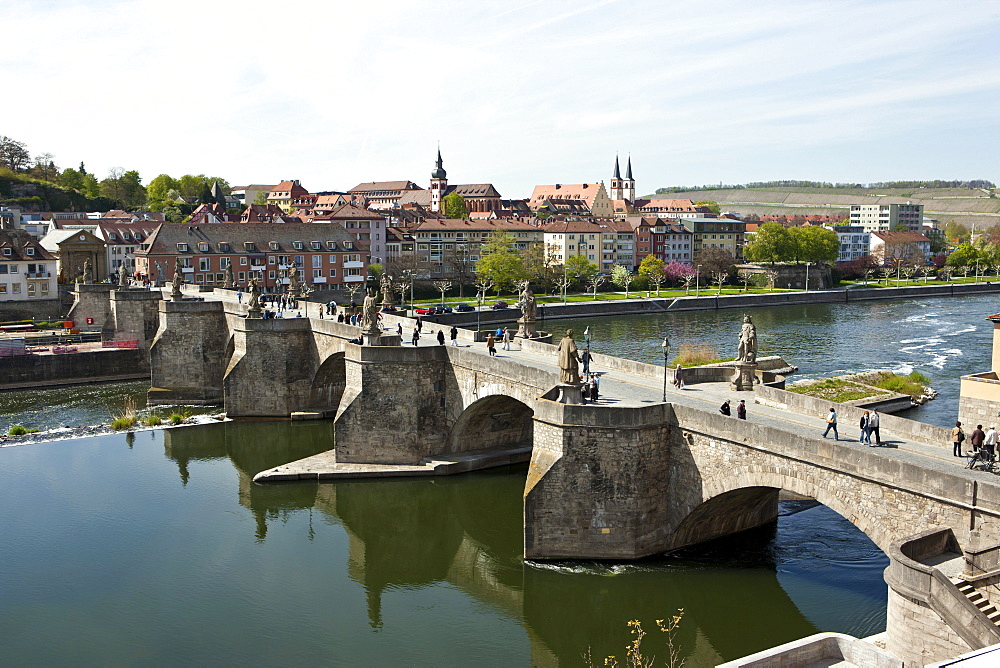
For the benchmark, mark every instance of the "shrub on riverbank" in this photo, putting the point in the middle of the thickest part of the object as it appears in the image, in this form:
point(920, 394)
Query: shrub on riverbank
point(697, 354)
point(124, 417)
point(153, 420)
point(124, 422)
point(913, 384)
point(20, 430)
point(836, 390)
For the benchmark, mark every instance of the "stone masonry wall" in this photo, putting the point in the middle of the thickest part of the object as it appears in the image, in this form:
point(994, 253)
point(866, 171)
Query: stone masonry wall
point(918, 634)
point(187, 357)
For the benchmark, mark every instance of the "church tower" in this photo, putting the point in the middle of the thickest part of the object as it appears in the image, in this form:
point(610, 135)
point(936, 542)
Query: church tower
point(617, 185)
point(629, 185)
point(439, 184)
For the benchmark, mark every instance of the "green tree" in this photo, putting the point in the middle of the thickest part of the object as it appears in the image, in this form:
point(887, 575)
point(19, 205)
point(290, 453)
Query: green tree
point(261, 198)
point(14, 154)
point(454, 206)
point(72, 179)
point(91, 188)
point(815, 244)
point(578, 267)
point(190, 186)
point(772, 242)
point(956, 232)
point(714, 260)
point(375, 270)
point(499, 262)
point(963, 256)
point(710, 205)
point(159, 187)
point(651, 268)
point(125, 188)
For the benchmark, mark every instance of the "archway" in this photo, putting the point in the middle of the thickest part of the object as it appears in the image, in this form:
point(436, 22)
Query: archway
point(492, 423)
point(329, 382)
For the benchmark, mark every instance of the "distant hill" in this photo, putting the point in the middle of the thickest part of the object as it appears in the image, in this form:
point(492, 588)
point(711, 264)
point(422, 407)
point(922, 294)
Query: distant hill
point(28, 194)
point(979, 207)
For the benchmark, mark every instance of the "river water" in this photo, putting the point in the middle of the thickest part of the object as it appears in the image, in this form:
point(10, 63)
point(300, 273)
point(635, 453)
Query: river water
point(155, 547)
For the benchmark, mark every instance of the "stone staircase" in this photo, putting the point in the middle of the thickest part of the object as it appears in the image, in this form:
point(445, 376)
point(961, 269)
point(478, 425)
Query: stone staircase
point(978, 600)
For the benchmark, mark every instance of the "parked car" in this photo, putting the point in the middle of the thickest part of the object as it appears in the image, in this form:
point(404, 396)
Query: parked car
point(464, 308)
point(389, 309)
point(444, 309)
point(500, 305)
point(427, 310)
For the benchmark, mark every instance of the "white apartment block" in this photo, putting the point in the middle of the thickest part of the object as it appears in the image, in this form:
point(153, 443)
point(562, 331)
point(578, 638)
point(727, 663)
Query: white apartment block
point(883, 217)
point(855, 242)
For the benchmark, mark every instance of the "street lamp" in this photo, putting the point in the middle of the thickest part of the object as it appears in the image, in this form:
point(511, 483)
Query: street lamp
point(807, 277)
point(479, 296)
point(409, 274)
point(586, 336)
point(697, 280)
point(666, 359)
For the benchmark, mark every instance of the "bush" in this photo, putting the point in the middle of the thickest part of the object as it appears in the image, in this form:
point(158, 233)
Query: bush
point(696, 354)
point(176, 418)
point(124, 422)
point(153, 420)
point(20, 430)
point(912, 384)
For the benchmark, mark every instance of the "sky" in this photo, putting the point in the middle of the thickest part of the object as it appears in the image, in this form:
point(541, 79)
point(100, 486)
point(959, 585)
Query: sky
point(517, 93)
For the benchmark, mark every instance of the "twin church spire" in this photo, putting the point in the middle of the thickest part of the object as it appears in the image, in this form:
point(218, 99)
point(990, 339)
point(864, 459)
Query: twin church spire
point(622, 189)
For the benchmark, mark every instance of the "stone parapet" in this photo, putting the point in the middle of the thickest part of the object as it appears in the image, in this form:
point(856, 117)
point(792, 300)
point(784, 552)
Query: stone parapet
point(91, 302)
point(134, 316)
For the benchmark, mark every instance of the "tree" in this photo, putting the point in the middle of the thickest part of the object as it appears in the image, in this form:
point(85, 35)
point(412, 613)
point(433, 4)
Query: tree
point(375, 270)
point(454, 206)
point(962, 256)
point(442, 287)
point(956, 232)
point(14, 154)
point(261, 198)
point(815, 244)
point(651, 268)
point(595, 282)
point(676, 271)
point(714, 259)
point(206, 196)
point(710, 205)
point(457, 261)
point(719, 278)
point(746, 278)
point(622, 277)
point(190, 186)
point(580, 268)
point(772, 242)
point(125, 188)
point(91, 188)
point(45, 168)
point(72, 179)
point(159, 188)
point(688, 280)
point(499, 261)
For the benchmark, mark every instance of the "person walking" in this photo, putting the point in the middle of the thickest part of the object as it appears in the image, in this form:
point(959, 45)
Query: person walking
point(420, 323)
point(507, 336)
point(741, 409)
point(957, 436)
point(440, 337)
point(679, 377)
point(873, 424)
point(454, 335)
point(594, 388)
point(399, 330)
point(416, 336)
point(976, 438)
point(865, 434)
point(585, 360)
point(990, 442)
point(491, 344)
point(831, 423)
point(724, 408)
point(239, 296)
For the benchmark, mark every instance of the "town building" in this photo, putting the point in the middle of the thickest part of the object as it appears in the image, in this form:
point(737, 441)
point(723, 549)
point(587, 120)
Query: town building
point(288, 196)
point(246, 195)
point(480, 198)
point(367, 227)
point(27, 270)
point(73, 248)
point(122, 239)
point(382, 194)
point(595, 240)
point(855, 243)
point(723, 233)
point(441, 243)
point(881, 217)
point(328, 257)
point(668, 240)
point(904, 247)
point(591, 198)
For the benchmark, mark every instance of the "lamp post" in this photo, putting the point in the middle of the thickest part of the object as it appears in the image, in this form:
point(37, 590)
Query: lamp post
point(565, 282)
point(586, 336)
point(479, 297)
point(697, 281)
point(807, 277)
point(666, 359)
point(409, 274)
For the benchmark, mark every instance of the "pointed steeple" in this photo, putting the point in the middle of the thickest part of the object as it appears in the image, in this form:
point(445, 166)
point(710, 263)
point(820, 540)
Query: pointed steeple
point(628, 170)
point(618, 172)
point(439, 172)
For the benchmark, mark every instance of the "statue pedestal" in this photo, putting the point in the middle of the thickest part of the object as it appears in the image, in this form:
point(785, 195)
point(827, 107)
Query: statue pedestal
point(569, 394)
point(525, 329)
point(371, 338)
point(744, 378)
point(253, 312)
point(176, 295)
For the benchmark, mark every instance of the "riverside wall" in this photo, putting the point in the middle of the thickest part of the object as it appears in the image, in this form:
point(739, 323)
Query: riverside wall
point(33, 371)
point(713, 302)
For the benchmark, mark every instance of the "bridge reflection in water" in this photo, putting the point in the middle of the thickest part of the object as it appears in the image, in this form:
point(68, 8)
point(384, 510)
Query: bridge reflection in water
point(466, 532)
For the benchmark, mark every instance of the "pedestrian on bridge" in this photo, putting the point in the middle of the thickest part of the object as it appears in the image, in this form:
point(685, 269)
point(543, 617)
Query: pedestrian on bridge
point(976, 438)
point(741, 409)
point(416, 336)
point(440, 337)
point(585, 360)
point(957, 436)
point(990, 442)
point(831, 423)
point(724, 408)
point(873, 424)
point(454, 335)
point(866, 434)
point(491, 344)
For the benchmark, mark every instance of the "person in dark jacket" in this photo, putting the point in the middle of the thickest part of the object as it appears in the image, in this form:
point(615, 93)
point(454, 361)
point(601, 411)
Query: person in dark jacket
point(741, 409)
point(724, 408)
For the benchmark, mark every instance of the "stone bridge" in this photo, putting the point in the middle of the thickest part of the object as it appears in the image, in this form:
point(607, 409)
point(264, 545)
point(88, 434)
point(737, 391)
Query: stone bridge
point(629, 477)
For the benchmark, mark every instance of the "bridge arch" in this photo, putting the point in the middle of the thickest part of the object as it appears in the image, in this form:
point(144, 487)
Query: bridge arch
point(495, 421)
point(329, 382)
point(751, 493)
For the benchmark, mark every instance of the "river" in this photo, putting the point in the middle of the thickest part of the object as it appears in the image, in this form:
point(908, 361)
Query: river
point(155, 547)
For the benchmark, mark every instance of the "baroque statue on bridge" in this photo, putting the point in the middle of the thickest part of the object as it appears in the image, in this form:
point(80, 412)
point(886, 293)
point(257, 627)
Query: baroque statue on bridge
point(385, 282)
point(370, 314)
point(526, 323)
point(747, 351)
point(230, 281)
point(87, 274)
point(254, 302)
point(569, 360)
point(175, 292)
point(293, 281)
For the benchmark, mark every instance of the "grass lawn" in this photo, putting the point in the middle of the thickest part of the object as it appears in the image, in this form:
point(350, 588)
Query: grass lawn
point(836, 390)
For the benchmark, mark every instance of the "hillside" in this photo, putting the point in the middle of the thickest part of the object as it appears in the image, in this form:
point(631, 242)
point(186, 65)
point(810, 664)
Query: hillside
point(28, 194)
point(970, 207)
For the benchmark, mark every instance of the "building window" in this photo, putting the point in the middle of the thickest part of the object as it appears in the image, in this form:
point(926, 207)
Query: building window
point(317, 261)
point(347, 272)
point(331, 245)
point(333, 259)
point(241, 276)
point(299, 261)
point(203, 246)
point(182, 248)
point(317, 273)
point(224, 262)
point(29, 250)
point(333, 273)
point(270, 274)
point(45, 288)
point(243, 261)
point(220, 278)
point(203, 264)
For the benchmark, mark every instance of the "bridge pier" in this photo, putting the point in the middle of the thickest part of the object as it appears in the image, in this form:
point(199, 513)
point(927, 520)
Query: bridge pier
point(187, 357)
point(90, 302)
point(134, 317)
point(272, 368)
